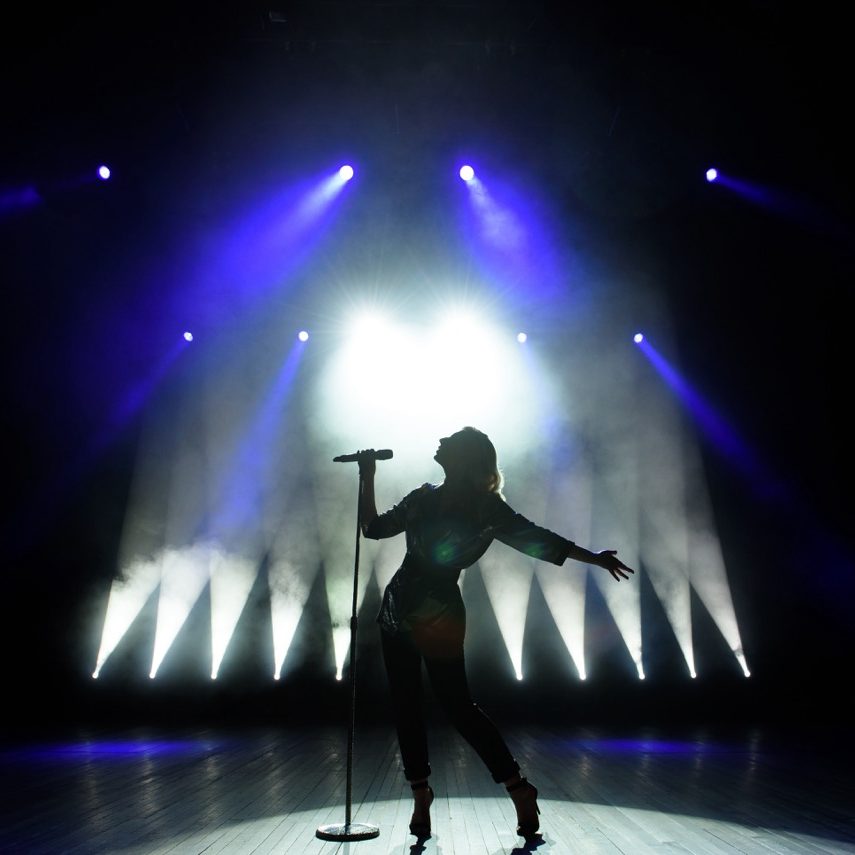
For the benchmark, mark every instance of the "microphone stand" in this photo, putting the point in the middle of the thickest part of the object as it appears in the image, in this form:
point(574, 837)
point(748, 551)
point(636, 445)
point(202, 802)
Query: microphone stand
point(351, 830)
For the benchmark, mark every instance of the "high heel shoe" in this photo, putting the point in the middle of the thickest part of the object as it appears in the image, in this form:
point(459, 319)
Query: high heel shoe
point(421, 827)
point(525, 802)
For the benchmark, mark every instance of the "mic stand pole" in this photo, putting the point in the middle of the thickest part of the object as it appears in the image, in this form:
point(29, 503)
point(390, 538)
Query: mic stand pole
point(351, 830)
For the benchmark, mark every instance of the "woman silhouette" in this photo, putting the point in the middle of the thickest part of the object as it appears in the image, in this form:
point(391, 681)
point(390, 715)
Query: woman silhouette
point(422, 617)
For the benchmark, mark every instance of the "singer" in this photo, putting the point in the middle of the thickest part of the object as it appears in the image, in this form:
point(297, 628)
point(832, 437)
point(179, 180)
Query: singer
point(422, 617)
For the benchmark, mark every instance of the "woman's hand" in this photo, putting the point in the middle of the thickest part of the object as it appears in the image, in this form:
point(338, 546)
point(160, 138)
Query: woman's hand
point(367, 462)
point(608, 560)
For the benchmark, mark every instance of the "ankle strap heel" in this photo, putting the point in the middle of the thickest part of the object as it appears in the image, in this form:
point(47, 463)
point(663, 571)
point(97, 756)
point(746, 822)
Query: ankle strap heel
point(527, 809)
point(420, 821)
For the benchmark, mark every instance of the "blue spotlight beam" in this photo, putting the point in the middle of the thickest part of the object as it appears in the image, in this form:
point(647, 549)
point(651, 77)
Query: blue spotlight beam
point(244, 478)
point(819, 539)
point(35, 515)
point(715, 428)
point(784, 205)
point(18, 199)
point(260, 249)
point(509, 237)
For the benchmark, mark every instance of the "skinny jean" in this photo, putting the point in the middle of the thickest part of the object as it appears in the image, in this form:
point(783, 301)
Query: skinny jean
point(440, 647)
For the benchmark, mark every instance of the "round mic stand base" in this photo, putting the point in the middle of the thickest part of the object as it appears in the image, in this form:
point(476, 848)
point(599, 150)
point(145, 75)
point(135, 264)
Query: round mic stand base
point(348, 831)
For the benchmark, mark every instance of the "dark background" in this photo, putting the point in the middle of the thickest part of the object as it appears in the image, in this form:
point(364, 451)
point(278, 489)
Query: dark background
point(621, 108)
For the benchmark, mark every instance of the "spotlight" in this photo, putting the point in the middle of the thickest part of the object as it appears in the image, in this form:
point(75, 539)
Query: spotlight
point(346, 172)
point(276, 676)
point(519, 674)
point(467, 173)
point(188, 336)
point(95, 674)
point(213, 675)
point(303, 335)
point(103, 172)
point(638, 338)
point(522, 338)
point(712, 174)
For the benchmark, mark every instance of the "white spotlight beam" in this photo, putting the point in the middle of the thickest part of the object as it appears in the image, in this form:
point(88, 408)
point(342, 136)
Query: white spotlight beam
point(288, 595)
point(507, 578)
point(707, 570)
point(336, 503)
point(564, 591)
point(569, 513)
point(185, 573)
point(623, 601)
point(615, 525)
point(341, 645)
point(232, 578)
point(665, 555)
point(294, 558)
point(128, 595)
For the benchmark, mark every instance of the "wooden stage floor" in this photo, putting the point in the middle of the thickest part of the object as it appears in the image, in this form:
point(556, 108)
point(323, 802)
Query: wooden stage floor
point(266, 790)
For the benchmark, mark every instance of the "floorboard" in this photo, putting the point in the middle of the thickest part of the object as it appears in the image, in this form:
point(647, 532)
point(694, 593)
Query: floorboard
point(260, 791)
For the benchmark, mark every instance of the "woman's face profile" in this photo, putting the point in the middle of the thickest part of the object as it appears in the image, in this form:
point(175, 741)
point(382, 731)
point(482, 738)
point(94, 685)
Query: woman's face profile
point(450, 449)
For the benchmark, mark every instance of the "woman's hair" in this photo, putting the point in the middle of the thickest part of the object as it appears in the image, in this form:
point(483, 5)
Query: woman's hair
point(476, 465)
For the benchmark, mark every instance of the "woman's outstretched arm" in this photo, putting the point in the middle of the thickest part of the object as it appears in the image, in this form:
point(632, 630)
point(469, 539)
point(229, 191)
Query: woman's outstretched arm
point(538, 542)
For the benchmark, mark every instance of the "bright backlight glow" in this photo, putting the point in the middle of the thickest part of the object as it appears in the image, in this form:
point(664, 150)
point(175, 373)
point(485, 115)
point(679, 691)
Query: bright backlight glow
point(456, 371)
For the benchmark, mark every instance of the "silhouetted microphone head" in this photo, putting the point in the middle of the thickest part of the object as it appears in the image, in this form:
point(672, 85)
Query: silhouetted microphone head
point(383, 454)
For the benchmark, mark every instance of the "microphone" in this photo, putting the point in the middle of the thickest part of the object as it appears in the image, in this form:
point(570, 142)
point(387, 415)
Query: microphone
point(370, 454)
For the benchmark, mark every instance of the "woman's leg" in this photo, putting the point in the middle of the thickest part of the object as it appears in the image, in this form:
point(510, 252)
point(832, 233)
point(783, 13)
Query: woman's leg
point(404, 670)
point(441, 645)
point(448, 679)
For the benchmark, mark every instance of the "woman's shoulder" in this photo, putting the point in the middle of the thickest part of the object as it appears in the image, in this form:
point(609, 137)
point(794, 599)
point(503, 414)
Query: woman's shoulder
point(493, 507)
point(492, 500)
point(426, 489)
